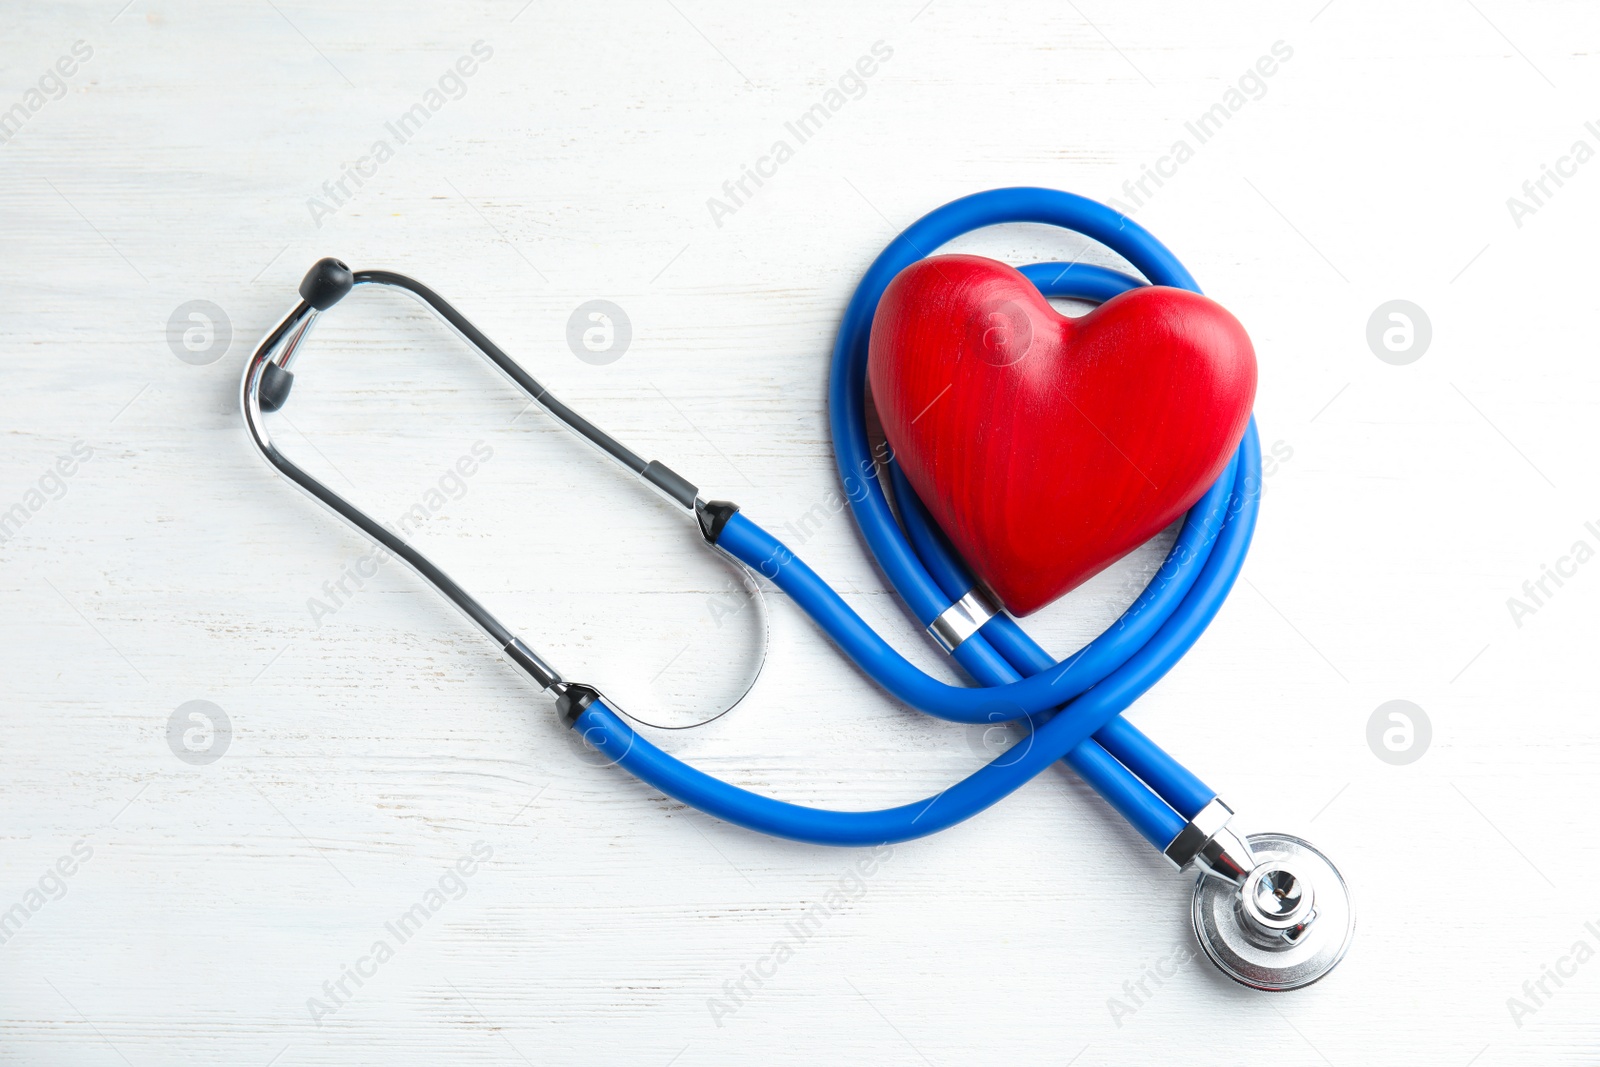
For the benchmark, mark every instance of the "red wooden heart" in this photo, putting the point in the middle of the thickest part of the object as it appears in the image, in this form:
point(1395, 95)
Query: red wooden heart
point(1047, 447)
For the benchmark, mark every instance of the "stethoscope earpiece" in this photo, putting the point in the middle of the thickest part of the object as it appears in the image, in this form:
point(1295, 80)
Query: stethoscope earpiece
point(327, 282)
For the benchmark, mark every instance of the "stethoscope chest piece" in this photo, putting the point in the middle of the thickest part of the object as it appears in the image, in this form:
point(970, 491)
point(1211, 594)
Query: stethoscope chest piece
point(1287, 925)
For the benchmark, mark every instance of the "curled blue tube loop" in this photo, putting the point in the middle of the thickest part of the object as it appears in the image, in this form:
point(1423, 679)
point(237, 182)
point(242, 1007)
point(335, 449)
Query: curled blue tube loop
point(1072, 707)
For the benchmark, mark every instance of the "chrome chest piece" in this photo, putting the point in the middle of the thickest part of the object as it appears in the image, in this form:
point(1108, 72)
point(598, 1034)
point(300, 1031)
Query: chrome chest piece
point(1268, 909)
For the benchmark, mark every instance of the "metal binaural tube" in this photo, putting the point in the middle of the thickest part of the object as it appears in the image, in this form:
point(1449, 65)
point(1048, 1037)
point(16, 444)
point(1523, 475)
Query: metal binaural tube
point(268, 379)
point(281, 342)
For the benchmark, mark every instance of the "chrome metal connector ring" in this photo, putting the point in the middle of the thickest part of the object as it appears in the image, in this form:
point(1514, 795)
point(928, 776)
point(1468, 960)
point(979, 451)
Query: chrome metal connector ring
point(1191, 840)
point(962, 619)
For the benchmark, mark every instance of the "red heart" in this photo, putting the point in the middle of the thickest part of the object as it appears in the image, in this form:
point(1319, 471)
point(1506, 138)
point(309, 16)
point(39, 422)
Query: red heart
point(1048, 447)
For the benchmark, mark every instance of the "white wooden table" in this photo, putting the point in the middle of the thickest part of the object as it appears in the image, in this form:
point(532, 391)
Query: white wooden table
point(215, 912)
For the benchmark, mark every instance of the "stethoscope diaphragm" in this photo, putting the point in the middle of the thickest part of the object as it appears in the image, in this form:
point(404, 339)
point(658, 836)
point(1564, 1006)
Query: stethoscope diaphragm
point(1287, 925)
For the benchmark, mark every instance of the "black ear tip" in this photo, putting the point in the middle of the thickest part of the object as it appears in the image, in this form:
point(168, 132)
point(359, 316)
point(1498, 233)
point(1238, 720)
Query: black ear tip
point(326, 283)
point(275, 385)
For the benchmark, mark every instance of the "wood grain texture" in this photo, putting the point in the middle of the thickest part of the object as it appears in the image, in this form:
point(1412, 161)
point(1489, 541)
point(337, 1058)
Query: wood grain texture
point(372, 748)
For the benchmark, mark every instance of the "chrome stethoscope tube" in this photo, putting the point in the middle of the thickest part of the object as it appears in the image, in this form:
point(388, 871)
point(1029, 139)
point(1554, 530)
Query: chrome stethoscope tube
point(268, 379)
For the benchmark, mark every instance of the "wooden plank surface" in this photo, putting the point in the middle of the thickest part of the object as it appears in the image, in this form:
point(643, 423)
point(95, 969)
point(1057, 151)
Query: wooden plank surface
point(167, 153)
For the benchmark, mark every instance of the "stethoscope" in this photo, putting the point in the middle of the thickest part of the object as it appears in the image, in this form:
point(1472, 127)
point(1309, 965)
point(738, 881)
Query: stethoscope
point(1268, 909)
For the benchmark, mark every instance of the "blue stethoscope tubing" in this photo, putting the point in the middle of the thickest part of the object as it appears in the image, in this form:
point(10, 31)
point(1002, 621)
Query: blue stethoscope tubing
point(1072, 707)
